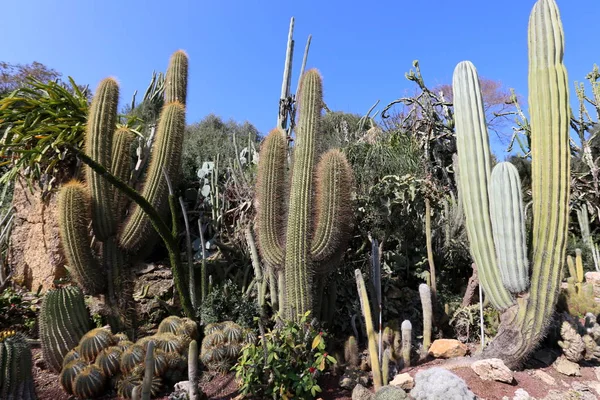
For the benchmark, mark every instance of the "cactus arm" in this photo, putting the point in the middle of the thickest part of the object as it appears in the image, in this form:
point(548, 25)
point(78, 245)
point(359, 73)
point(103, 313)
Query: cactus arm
point(474, 164)
point(371, 335)
point(98, 144)
point(137, 228)
point(120, 167)
point(298, 266)
point(176, 78)
point(73, 217)
point(508, 225)
point(270, 199)
point(333, 206)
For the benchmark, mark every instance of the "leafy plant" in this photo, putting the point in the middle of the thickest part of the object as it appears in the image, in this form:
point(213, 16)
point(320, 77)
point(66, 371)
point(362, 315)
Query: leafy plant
point(287, 364)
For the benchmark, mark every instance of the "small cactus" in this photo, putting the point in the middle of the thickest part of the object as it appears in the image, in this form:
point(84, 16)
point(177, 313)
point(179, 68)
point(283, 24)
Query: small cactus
point(406, 342)
point(425, 294)
point(90, 382)
point(351, 352)
point(221, 346)
point(93, 342)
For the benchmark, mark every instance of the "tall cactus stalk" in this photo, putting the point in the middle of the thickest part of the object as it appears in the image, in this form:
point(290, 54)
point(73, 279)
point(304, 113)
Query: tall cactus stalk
point(313, 236)
point(525, 318)
point(371, 334)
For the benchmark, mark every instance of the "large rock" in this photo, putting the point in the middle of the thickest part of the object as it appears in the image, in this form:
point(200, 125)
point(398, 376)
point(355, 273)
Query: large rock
point(35, 255)
point(362, 393)
point(493, 369)
point(593, 278)
point(448, 348)
point(544, 377)
point(566, 367)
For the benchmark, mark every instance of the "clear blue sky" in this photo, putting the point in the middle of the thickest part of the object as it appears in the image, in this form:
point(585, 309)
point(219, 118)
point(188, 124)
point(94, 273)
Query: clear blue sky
point(237, 48)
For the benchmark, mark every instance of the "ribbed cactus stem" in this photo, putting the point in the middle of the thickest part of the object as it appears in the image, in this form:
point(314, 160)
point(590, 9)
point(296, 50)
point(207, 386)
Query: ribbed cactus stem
point(148, 372)
point(406, 329)
point(138, 228)
point(571, 267)
point(177, 78)
point(508, 225)
point(101, 126)
point(298, 264)
point(63, 320)
point(193, 370)
point(371, 334)
point(73, 217)
point(16, 379)
point(121, 166)
point(524, 326)
point(474, 163)
point(579, 266)
point(425, 294)
point(385, 368)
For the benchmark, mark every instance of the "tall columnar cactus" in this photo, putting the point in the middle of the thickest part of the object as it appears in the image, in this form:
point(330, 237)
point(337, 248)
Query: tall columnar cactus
point(16, 380)
point(406, 342)
point(371, 334)
point(425, 294)
point(63, 321)
point(526, 317)
point(312, 236)
point(109, 146)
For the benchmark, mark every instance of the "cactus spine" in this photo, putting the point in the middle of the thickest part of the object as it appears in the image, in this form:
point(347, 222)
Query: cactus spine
point(425, 294)
point(525, 324)
point(303, 254)
point(16, 380)
point(63, 321)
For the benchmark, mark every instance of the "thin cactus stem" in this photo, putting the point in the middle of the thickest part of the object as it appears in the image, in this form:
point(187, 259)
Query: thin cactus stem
point(285, 83)
point(257, 268)
point(190, 262)
point(148, 372)
point(203, 269)
point(366, 309)
point(430, 248)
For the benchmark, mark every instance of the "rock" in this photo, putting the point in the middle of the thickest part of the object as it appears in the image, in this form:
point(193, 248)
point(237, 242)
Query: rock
point(35, 254)
point(404, 381)
point(362, 393)
point(566, 367)
point(594, 385)
point(352, 377)
point(597, 372)
point(593, 278)
point(544, 377)
point(521, 394)
point(448, 348)
point(583, 394)
point(583, 391)
point(183, 386)
point(493, 369)
point(390, 393)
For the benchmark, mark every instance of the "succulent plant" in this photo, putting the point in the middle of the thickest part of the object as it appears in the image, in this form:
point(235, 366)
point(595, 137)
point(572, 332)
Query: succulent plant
point(16, 379)
point(63, 320)
point(439, 383)
point(94, 341)
point(90, 382)
point(221, 346)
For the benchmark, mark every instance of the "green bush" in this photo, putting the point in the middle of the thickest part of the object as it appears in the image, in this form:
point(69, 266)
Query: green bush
point(295, 357)
point(227, 303)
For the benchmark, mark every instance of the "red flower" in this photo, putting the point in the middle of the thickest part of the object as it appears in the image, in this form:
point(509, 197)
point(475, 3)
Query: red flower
point(312, 370)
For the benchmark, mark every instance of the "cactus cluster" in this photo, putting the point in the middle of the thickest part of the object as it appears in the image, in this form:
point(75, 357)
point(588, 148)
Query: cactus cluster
point(439, 383)
point(319, 211)
point(580, 341)
point(97, 200)
point(102, 360)
point(16, 379)
point(492, 199)
point(578, 297)
point(222, 345)
point(63, 320)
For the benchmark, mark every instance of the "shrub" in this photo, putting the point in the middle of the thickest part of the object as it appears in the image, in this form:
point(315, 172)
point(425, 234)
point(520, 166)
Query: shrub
point(295, 356)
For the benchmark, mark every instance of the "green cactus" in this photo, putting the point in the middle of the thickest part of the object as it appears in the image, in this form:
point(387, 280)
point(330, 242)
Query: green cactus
point(425, 294)
point(578, 297)
point(371, 334)
point(508, 226)
point(94, 341)
point(63, 320)
point(221, 346)
point(351, 352)
point(16, 379)
point(526, 318)
point(406, 329)
point(89, 383)
point(108, 161)
point(302, 255)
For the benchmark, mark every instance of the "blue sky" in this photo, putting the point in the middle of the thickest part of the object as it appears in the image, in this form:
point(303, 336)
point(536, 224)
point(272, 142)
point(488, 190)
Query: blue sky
point(237, 48)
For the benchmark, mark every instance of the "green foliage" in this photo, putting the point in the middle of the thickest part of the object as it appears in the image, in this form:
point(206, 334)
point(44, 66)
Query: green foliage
point(16, 379)
point(466, 323)
point(227, 303)
point(37, 121)
point(295, 357)
point(18, 310)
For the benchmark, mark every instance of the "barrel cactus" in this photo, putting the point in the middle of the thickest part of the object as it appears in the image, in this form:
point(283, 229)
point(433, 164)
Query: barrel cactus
point(222, 345)
point(16, 379)
point(63, 320)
